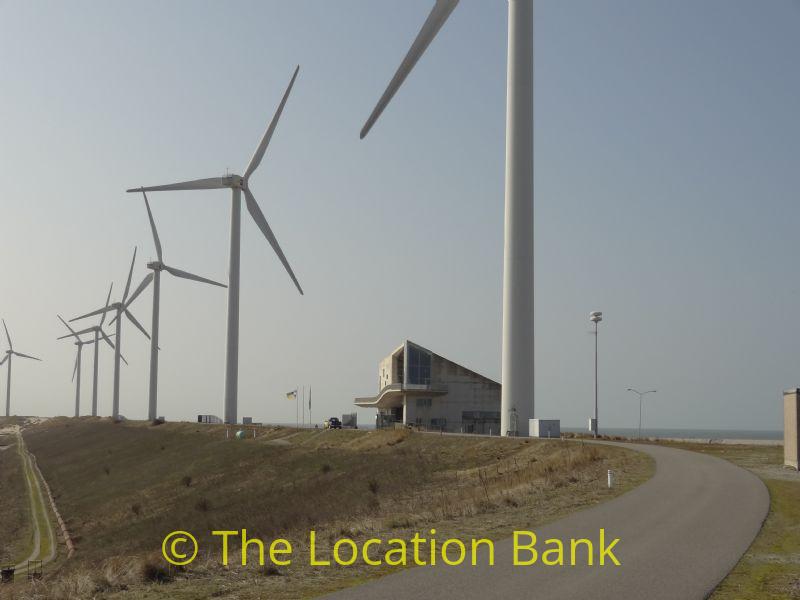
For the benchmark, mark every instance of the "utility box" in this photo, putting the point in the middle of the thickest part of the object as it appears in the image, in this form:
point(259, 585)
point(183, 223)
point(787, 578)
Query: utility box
point(545, 428)
point(592, 424)
point(791, 428)
point(247, 420)
point(350, 421)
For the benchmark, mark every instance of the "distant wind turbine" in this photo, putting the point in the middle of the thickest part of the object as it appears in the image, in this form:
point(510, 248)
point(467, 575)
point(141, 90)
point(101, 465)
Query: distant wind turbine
point(76, 371)
point(238, 184)
point(9, 353)
point(121, 308)
point(157, 266)
point(98, 332)
point(517, 356)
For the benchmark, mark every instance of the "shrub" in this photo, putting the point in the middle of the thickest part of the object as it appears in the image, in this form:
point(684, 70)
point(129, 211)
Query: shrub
point(203, 505)
point(136, 509)
point(186, 480)
point(270, 571)
point(373, 486)
point(155, 572)
point(107, 470)
point(326, 468)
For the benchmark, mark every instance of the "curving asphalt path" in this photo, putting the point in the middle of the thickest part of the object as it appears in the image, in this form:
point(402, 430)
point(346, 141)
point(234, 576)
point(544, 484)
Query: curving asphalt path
point(680, 533)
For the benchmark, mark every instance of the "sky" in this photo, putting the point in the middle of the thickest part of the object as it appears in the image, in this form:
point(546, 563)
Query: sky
point(666, 178)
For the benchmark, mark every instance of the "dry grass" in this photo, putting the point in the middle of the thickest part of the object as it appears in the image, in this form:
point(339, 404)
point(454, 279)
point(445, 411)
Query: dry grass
point(341, 483)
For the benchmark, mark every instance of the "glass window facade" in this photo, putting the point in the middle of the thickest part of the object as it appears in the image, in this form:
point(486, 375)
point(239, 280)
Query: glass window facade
point(419, 366)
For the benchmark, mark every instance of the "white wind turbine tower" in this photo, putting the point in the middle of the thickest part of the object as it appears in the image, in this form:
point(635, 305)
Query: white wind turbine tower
point(517, 358)
point(238, 185)
point(121, 308)
point(157, 266)
point(98, 332)
point(9, 353)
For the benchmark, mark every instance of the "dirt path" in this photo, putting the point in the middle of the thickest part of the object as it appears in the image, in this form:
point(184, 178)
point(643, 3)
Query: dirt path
point(44, 539)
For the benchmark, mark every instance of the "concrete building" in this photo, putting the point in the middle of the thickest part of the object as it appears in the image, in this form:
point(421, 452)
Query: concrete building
point(420, 388)
point(791, 428)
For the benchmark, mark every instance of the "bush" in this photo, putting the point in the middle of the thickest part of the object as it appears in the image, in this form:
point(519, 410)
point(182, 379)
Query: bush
point(373, 486)
point(203, 505)
point(186, 480)
point(155, 572)
point(326, 468)
point(270, 571)
point(107, 470)
point(136, 509)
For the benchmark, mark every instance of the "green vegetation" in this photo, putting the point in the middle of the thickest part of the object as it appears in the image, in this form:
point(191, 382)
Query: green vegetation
point(770, 570)
point(123, 487)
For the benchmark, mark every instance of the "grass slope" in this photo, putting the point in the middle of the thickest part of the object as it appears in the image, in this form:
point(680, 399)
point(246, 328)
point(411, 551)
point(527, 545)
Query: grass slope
point(122, 487)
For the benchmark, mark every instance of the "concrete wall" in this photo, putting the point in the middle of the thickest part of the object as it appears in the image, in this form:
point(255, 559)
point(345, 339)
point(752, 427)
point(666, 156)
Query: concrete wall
point(466, 391)
point(791, 428)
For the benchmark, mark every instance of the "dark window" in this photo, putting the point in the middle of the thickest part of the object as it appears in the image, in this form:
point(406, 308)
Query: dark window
point(419, 366)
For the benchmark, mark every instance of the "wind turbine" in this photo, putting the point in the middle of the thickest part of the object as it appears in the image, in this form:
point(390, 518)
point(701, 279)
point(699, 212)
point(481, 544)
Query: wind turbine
point(121, 308)
point(157, 266)
point(9, 353)
point(76, 371)
point(517, 357)
point(238, 184)
point(98, 332)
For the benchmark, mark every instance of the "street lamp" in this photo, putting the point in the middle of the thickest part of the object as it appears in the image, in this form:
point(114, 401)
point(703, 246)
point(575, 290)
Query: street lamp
point(641, 395)
point(595, 317)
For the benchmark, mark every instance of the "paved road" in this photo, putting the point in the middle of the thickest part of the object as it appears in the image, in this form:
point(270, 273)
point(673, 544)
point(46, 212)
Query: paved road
point(681, 532)
point(44, 540)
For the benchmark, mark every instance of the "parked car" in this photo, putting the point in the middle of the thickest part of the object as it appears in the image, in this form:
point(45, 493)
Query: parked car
point(333, 423)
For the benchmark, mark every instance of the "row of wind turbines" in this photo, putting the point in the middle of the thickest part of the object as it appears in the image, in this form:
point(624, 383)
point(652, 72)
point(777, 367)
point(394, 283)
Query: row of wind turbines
point(238, 184)
point(517, 346)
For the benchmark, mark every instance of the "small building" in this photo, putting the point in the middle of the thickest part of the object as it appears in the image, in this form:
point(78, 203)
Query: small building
point(791, 428)
point(420, 388)
point(545, 428)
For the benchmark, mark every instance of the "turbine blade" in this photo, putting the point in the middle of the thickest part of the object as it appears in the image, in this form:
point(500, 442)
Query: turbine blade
point(262, 147)
point(8, 337)
point(108, 298)
point(75, 369)
point(211, 183)
point(130, 275)
point(26, 356)
point(82, 331)
point(145, 282)
point(261, 221)
point(123, 359)
point(5, 358)
point(108, 341)
point(185, 275)
point(156, 240)
point(439, 14)
point(99, 311)
point(72, 331)
point(135, 322)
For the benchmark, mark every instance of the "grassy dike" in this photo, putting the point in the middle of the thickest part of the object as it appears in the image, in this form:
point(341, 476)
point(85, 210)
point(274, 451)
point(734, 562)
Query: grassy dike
point(770, 569)
point(122, 487)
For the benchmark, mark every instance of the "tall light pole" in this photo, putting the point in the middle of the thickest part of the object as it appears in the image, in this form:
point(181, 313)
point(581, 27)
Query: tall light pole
point(641, 395)
point(595, 317)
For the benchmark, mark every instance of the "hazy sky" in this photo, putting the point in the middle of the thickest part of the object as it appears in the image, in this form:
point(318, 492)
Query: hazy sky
point(666, 141)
